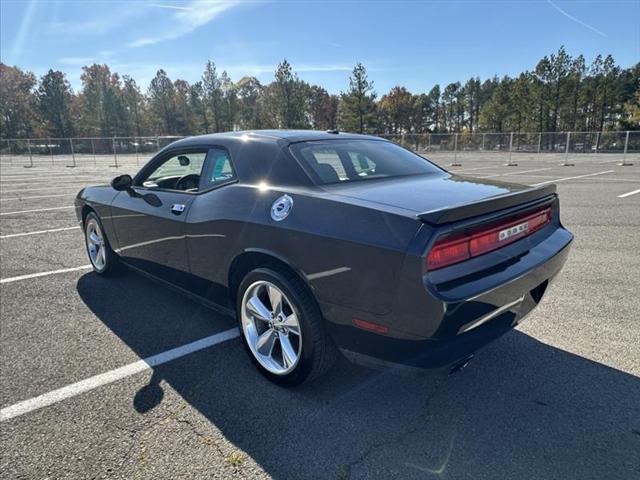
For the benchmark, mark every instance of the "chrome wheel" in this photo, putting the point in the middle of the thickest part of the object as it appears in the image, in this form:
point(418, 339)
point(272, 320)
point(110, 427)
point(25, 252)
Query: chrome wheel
point(271, 327)
point(95, 244)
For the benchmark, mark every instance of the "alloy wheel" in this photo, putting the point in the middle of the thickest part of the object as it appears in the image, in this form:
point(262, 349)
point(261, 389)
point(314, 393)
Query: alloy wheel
point(96, 245)
point(271, 327)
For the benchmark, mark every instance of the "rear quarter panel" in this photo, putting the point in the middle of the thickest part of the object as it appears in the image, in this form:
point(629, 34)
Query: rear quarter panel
point(349, 255)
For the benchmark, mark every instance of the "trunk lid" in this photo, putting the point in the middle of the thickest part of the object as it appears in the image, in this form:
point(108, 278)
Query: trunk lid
point(429, 196)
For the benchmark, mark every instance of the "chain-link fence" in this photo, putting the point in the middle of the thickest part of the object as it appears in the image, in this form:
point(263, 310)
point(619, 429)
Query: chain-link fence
point(569, 144)
point(131, 151)
point(73, 152)
point(549, 142)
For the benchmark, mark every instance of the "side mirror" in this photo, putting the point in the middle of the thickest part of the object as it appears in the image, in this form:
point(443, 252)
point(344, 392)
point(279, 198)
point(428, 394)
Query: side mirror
point(122, 182)
point(184, 160)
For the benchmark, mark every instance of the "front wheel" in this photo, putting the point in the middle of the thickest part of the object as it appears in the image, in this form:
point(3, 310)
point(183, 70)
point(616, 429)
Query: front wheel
point(282, 327)
point(103, 259)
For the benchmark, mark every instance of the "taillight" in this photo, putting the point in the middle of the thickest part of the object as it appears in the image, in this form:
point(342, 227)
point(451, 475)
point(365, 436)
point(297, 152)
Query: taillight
point(449, 251)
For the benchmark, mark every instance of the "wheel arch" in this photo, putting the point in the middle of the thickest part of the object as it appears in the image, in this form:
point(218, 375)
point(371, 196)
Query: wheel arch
point(251, 259)
point(86, 210)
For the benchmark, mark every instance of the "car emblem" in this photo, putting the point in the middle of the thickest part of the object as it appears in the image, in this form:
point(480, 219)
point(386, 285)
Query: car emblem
point(281, 208)
point(511, 231)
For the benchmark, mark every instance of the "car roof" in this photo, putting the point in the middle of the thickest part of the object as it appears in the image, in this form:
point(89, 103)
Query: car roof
point(276, 136)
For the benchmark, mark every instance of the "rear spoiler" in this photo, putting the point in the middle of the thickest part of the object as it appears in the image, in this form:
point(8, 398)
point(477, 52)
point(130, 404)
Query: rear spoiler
point(491, 204)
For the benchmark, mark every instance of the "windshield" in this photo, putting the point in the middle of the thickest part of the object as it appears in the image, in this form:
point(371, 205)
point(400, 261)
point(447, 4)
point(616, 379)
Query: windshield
point(337, 161)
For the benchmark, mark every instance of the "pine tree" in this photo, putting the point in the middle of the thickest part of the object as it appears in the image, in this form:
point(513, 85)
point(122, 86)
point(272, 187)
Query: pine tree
point(213, 92)
point(357, 108)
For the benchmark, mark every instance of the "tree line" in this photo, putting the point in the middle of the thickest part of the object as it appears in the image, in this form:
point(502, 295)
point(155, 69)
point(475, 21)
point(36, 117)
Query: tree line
point(561, 93)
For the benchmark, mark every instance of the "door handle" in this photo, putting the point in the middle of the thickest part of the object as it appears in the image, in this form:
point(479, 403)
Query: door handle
point(177, 208)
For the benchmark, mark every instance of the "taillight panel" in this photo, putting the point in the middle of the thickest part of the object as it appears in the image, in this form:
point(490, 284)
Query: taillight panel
point(461, 247)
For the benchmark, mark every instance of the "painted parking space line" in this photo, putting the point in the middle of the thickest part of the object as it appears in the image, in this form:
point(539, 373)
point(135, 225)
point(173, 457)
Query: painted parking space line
point(16, 178)
point(474, 169)
point(91, 383)
point(515, 173)
point(8, 199)
point(23, 190)
point(628, 194)
point(572, 178)
point(43, 274)
point(39, 232)
point(37, 210)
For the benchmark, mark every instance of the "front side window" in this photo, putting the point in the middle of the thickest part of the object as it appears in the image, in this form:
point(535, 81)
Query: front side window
point(338, 161)
point(178, 172)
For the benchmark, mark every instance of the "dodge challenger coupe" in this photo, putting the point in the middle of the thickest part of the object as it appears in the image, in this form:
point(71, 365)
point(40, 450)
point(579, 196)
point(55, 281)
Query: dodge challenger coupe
point(320, 242)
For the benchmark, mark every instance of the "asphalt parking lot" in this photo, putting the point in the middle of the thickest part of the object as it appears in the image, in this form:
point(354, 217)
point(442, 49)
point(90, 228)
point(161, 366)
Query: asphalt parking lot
point(559, 397)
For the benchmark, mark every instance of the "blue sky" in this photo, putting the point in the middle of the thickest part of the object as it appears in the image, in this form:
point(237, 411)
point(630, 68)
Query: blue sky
point(412, 43)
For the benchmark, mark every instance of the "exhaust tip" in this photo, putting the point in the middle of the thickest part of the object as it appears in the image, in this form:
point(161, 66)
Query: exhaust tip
point(458, 366)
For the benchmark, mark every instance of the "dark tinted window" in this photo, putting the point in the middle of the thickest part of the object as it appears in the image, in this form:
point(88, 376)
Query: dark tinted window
point(338, 161)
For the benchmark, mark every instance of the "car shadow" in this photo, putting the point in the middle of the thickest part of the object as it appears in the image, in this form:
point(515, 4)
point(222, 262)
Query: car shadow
point(522, 409)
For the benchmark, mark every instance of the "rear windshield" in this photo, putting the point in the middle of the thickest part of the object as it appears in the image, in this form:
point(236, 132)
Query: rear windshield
point(337, 161)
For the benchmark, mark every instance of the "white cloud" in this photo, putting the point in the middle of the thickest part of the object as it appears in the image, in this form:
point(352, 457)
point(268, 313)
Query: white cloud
point(187, 19)
point(577, 20)
point(170, 7)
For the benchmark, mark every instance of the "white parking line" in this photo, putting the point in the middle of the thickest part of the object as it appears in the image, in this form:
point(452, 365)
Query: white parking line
point(45, 177)
point(111, 376)
point(515, 173)
point(36, 210)
point(38, 232)
point(6, 199)
point(473, 169)
point(43, 274)
point(571, 178)
point(61, 183)
point(628, 194)
point(22, 190)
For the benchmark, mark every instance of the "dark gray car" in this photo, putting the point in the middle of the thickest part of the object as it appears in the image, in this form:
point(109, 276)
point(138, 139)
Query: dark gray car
point(325, 241)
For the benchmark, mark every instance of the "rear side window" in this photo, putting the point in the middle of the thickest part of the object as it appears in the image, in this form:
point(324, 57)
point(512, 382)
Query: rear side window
point(218, 169)
point(338, 161)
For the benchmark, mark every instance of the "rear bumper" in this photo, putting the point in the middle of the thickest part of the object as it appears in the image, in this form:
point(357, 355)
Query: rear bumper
point(465, 323)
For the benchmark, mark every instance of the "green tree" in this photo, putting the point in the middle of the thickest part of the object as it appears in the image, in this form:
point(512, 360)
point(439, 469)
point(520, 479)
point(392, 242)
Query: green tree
point(472, 102)
point(17, 102)
point(185, 118)
point(357, 109)
point(450, 110)
point(198, 104)
point(398, 110)
point(162, 104)
point(213, 91)
point(250, 94)
point(496, 112)
point(323, 109)
point(134, 103)
point(54, 98)
point(102, 107)
point(434, 108)
point(230, 100)
point(289, 98)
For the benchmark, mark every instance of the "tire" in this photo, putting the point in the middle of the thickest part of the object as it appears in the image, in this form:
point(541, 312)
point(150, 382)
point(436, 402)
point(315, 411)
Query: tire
point(314, 349)
point(102, 258)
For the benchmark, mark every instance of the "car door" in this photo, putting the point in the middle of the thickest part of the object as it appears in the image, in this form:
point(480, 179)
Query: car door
point(210, 234)
point(149, 219)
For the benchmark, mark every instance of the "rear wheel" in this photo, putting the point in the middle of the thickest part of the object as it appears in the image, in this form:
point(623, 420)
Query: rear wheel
point(282, 327)
point(103, 260)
